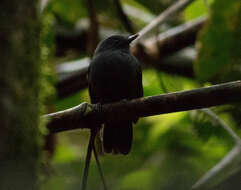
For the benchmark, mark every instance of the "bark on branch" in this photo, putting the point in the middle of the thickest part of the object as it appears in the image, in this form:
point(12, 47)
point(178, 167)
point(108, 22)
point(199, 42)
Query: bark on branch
point(154, 49)
point(82, 115)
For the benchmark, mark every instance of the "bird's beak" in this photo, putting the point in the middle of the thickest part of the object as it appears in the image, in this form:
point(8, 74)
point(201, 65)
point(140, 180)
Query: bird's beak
point(132, 37)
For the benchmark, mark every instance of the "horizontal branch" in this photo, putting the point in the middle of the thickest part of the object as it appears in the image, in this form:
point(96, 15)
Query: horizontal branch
point(180, 63)
point(72, 75)
point(82, 115)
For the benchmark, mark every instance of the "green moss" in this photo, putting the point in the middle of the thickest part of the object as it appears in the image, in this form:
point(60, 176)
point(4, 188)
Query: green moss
point(19, 102)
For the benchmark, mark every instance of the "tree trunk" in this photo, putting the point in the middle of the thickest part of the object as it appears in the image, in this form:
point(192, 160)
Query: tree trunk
point(19, 94)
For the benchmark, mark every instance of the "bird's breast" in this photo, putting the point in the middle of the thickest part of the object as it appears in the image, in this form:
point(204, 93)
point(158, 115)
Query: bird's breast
point(113, 77)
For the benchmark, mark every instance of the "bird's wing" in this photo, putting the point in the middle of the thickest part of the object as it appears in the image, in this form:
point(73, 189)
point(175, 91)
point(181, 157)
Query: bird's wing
point(93, 96)
point(138, 90)
point(139, 80)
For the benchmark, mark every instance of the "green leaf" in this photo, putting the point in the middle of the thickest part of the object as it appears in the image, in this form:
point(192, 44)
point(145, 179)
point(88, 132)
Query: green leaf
point(220, 43)
point(196, 9)
point(138, 180)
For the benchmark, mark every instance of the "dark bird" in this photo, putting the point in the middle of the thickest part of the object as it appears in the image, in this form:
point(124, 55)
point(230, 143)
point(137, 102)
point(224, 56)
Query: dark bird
point(114, 75)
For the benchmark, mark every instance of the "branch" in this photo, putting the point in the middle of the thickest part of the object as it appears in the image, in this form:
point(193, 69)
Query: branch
point(43, 5)
point(226, 167)
point(220, 122)
point(163, 17)
point(70, 40)
point(81, 115)
point(232, 182)
point(72, 75)
point(181, 63)
point(124, 18)
point(170, 41)
point(153, 51)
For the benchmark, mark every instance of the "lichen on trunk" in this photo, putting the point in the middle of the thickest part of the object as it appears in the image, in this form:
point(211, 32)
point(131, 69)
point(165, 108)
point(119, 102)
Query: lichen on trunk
point(19, 86)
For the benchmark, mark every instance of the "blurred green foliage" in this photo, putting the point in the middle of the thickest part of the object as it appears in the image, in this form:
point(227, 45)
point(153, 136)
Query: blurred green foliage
point(220, 44)
point(170, 151)
point(200, 6)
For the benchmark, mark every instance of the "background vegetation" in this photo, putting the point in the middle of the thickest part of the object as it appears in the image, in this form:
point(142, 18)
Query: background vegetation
point(170, 151)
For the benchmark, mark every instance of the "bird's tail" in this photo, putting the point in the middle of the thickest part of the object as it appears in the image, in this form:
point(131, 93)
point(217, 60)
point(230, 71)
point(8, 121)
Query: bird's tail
point(117, 137)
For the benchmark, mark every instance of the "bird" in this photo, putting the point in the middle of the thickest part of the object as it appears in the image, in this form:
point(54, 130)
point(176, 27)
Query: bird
point(114, 74)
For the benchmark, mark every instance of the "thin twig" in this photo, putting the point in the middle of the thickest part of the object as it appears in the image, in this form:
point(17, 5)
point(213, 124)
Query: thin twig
point(163, 17)
point(226, 167)
point(86, 168)
point(88, 158)
point(99, 168)
point(173, 39)
point(219, 121)
point(43, 4)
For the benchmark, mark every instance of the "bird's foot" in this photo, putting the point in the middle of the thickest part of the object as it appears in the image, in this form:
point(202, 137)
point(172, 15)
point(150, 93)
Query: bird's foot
point(99, 107)
point(123, 100)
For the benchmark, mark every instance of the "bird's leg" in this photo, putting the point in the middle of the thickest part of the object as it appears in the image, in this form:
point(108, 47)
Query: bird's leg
point(91, 146)
point(99, 108)
point(124, 100)
point(99, 168)
point(88, 158)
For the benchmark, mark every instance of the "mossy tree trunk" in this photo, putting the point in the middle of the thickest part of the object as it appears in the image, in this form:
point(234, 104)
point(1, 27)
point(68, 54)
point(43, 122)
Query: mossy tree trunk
point(19, 93)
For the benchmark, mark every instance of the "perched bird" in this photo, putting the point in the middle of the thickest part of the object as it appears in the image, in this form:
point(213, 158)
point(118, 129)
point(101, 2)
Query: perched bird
point(114, 75)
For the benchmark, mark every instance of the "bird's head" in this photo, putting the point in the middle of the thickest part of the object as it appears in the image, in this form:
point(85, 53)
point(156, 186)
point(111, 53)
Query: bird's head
point(115, 42)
